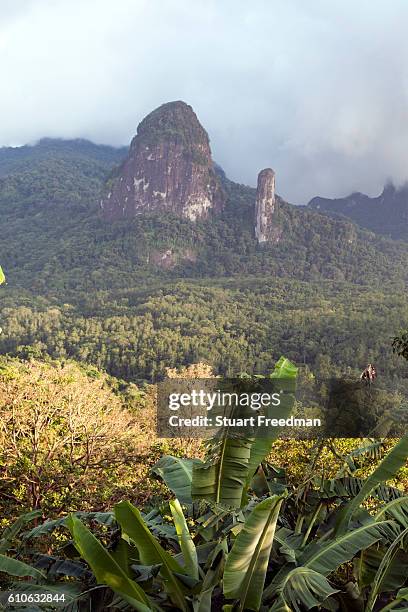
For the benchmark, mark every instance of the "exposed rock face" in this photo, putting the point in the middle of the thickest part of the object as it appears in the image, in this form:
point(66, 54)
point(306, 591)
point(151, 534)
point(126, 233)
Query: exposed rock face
point(265, 206)
point(169, 258)
point(168, 169)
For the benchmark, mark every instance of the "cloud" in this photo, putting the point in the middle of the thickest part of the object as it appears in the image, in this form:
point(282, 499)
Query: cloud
point(317, 90)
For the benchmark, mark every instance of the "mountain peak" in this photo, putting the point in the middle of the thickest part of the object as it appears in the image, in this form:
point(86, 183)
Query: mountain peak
point(169, 169)
point(173, 121)
point(389, 189)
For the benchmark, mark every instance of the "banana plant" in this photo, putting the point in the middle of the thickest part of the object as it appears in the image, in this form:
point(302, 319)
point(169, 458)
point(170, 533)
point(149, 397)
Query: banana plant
point(107, 570)
point(386, 470)
point(227, 548)
point(226, 474)
point(318, 560)
point(152, 553)
point(186, 583)
point(247, 558)
point(17, 571)
point(247, 562)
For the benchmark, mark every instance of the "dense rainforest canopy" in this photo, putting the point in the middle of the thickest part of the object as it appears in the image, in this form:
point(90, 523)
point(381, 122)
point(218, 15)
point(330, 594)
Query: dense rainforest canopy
point(328, 294)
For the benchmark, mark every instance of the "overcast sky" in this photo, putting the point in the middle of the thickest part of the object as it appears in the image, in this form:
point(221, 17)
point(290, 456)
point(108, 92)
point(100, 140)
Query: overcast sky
point(316, 89)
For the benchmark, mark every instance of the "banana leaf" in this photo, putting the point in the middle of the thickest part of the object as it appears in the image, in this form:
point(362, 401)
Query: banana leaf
point(222, 478)
point(13, 530)
point(326, 558)
point(247, 563)
point(370, 448)
point(212, 578)
point(304, 586)
point(106, 569)
point(397, 510)
point(186, 543)
point(225, 476)
point(55, 567)
point(261, 447)
point(387, 470)
point(370, 560)
point(177, 473)
point(14, 567)
point(151, 552)
point(329, 556)
point(381, 580)
point(350, 486)
point(103, 518)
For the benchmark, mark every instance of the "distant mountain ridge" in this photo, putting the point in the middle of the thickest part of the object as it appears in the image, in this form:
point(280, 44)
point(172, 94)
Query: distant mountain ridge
point(55, 172)
point(13, 158)
point(386, 214)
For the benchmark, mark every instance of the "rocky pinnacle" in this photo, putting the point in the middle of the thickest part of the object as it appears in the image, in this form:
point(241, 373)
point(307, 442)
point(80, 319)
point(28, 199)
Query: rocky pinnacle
point(265, 205)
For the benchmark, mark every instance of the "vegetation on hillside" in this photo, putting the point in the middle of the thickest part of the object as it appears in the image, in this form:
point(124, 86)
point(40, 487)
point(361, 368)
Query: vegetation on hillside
point(244, 524)
point(328, 294)
point(332, 537)
point(400, 344)
point(235, 325)
point(72, 438)
point(386, 214)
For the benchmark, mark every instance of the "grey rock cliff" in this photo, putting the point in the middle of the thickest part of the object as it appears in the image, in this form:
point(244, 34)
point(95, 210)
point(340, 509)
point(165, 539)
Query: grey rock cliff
point(265, 206)
point(169, 169)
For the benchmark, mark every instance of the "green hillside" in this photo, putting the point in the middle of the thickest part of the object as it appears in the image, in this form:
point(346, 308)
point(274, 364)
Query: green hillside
point(135, 297)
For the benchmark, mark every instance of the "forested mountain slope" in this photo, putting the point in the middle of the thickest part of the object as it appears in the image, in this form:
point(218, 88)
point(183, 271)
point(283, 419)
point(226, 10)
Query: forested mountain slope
point(386, 214)
point(54, 237)
point(137, 295)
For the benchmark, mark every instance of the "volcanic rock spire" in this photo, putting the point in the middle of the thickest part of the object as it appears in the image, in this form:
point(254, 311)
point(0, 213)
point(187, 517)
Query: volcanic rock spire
point(265, 205)
point(169, 169)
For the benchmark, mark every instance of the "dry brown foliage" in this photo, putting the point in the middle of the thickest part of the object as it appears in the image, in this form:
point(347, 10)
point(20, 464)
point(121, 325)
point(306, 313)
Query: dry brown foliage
point(69, 441)
point(63, 435)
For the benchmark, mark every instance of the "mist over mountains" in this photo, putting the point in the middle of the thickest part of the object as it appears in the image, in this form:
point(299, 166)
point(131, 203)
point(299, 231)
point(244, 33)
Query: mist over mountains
point(386, 214)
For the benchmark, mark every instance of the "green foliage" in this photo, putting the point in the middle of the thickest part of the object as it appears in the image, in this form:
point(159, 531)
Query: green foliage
point(395, 459)
point(226, 473)
point(151, 552)
point(14, 567)
point(277, 552)
point(385, 214)
point(173, 121)
point(78, 287)
point(72, 437)
point(234, 325)
point(400, 344)
point(185, 541)
point(81, 288)
point(177, 473)
point(247, 562)
point(106, 569)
